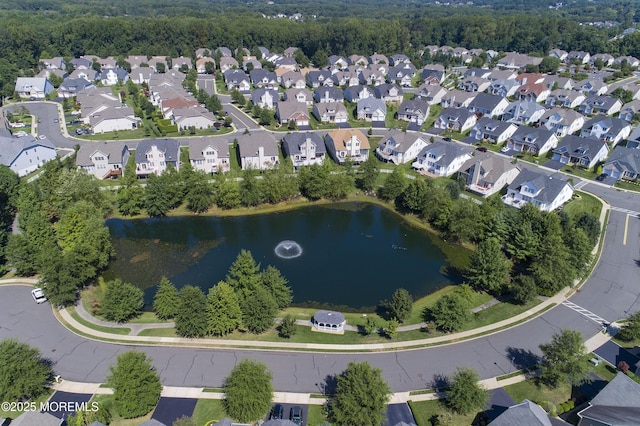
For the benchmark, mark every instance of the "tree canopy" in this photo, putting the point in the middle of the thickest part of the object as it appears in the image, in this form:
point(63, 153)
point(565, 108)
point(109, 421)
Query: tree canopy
point(563, 359)
point(248, 391)
point(135, 383)
point(24, 373)
point(465, 394)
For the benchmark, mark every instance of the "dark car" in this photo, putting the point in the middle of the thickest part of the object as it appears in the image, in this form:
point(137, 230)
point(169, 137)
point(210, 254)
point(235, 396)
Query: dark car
point(296, 415)
point(601, 177)
point(447, 139)
point(276, 412)
point(218, 124)
point(481, 149)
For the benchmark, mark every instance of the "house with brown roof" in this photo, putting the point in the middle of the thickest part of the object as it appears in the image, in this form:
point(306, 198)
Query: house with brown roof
point(347, 144)
point(486, 173)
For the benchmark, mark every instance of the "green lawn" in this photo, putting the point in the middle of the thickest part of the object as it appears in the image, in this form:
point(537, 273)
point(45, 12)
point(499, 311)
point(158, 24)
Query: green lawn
point(588, 174)
point(628, 185)
point(116, 420)
point(583, 203)
point(114, 330)
point(316, 415)
point(424, 411)
point(208, 410)
point(530, 390)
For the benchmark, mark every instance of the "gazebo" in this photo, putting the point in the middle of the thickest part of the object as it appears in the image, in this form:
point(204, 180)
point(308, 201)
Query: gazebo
point(328, 321)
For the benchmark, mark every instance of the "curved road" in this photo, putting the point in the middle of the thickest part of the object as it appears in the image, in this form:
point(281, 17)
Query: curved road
point(610, 293)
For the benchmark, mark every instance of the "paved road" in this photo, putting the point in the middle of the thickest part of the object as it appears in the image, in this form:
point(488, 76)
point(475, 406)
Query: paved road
point(610, 293)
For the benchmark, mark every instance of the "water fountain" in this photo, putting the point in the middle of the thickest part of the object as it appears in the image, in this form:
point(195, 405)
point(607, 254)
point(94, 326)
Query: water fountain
point(288, 249)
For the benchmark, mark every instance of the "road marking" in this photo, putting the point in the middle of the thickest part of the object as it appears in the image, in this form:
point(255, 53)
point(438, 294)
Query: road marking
point(580, 184)
point(627, 211)
point(626, 227)
point(584, 312)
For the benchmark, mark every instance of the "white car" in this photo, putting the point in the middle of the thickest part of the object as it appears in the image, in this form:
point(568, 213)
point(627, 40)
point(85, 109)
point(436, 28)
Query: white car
point(38, 295)
point(504, 149)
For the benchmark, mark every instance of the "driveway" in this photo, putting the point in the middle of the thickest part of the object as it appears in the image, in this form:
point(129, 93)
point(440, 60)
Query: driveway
point(614, 354)
point(399, 413)
point(169, 410)
point(63, 404)
point(554, 164)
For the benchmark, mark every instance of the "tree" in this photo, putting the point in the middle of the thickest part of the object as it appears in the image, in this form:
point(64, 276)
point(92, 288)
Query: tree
point(223, 310)
point(199, 196)
point(276, 285)
point(394, 185)
point(549, 64)
point(227, 194)
point(122, 301)
point(248, 391)
point(259, 310)
point(523, 289)
point(361, 396)
point(590, 225)
point(237, 97)
point(244, 274)
point(489, 267)
point(392, 328)
point(465, 394)
point(631, 329)
point(368, 174)
point(157, 198)
point(213, 104)
point(563, 359)
point(339, 185)
point(313, 181)
point(166, 300)
point(191, 316)
point(278, 185)
point(135, 383)
point(400, 305)
point(89, 417)
point(414, 196)
point(250, 193)
point(24, 374)
point(287, 326)
point(450, 312)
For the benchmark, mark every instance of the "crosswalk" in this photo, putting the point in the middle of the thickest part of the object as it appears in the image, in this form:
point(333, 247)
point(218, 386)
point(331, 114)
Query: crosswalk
point(585, 312)
point(580, 184)
point(627, 211)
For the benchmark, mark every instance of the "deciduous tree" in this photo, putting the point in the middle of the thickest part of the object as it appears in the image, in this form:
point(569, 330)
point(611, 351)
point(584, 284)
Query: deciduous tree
point(23, 372)
point(394, 185)
point(631, 329)
point(259, 310)
point(287, 326)
point(122, 301)
point(248, 391)
point(465, 394)
point(223, 310)
point(489, 267)
point(135, 383)
point(563, 359)
point(449, 313)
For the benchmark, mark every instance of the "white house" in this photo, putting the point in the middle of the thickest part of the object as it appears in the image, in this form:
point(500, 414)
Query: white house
point(562, 121)
point(209, 154)
point(33, 87)
point(114, 119)
point(153, 156)
point(607, 129)
point(197, 117)
point(258, 151)
point(347, 144)
point(304, 149)
point(371, 109)
point(532, 140)
point(456, 119)
point(486, 174)
point(399, 147)
point(331, 112)
point(545, 192)
point(111, 76)
point(441, 159)
point(583, 152)
point(494, 131)
point(103, 160)
point(25, 154)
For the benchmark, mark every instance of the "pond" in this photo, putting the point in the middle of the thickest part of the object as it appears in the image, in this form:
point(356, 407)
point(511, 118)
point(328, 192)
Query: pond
point(345, 255)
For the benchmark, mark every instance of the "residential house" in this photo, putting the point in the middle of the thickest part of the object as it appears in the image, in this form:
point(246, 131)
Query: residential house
point(153, 156)
point(579, 56)
point(554, 82)
point(251, 63)
point(180, 63)
point(592, 87)
point(486, 173)
point(337, 62)
point(141, 75)
point(486, 104)
point(46, 73)
point(71, 86)
point(399, 59)
point(331, 112)
point(113, 76)
point(402, 75)
point(600, 105)
point(474, 84)
point(457, 99)
point(304, 149)
point(498, 74)
point(413, 111)
point(358, 60)
point(237, 79)
point(607, 129)
point(399, 147)
point(523, 112)
point(482, 73)
point(299, 95)
point(263, 79)
point(209, 154)
point(431, 94)
point(347, 144)
point(33, 87)
point(534, 187)
point(503, 87)
point(629, 110)
point(56, 63)
point(88, 74)
point(290, 51)
point(40, 418)
point(562, 121)
point(114, 119)
point(371, 109)
point(527, 413)
point(81, 63)
point(346, 77)
point(258, 151)
point(265, 98)
point(371, 77)
point(318, 78)
point(607, 60)
point(356, 93)
point(227, 63)
point(559, 53)
point(377, 58)
point(532, 140)
point(441, 158)
point(633, 141)
point(203, 52)
point(429, 72)
point(583, 152)
point(104, 160)
point(618, 403)
point(534, 92)
point(94, 100)
point(168, 103)
point(293, 80)
point(224, 51)
point(25, 154)
point(624, 163)
point(491, 130)
point(157, 61)
point(630, 60)
point(389, 92)
point(530, 78)
point(517, 61)
point(198, 117)
point(456, 119)
point(328, 94)
point(565, 98)
point(136, 61)
point(292, 110)
point(201, 64)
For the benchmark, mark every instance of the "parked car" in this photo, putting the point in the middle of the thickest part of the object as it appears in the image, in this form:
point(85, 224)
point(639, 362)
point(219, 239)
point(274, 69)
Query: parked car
point(55, 120)
point(601, 177)
point(276, 412)
point(481, 149)
point(38, 295)
point(218, 124)
point(296, 415)
point(448, 139)
point(504, 149)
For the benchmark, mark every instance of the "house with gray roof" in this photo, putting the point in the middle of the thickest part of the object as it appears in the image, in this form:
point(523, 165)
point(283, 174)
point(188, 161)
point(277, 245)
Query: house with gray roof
point(31, 418)
point(377, 58)
point(486, 173)
point(337, 62)
point(331, 112)
point(624, 163)
point(81, 63)
point(441, 158)
point(104, 160)
point(86, 73)
point(318, 78)
point(251, 63)
point(181, 62)
point(487, 104)
point(55, 63)
point(523, 112)
point(559, 53)
point(634, 138)
point(503, 87)
point(457, 99)
point(565, 98)
point(534, 187)
point(555, 82)
point(456, 119)
point(629, 110)
point(33, 87)
point(617, 404)
point(527, 413)
point(402, 74)
point(562, 121)
point(227, 63)
point(209, 154)
point(477, 72)
point(358, 92)
point(224, 51)
point(494, 131)
point(71, 86)
point(292, 110)
point(258, 151)
point(592, 87)
point(237, 79)
point(474, 84)
point(431, 94)
point(372, 77)
point(113, 119)
point(304, 149)
point(532, 140)
point(298, 95)
point(25, 154)
point(293, 79)
point(580, 56)
point(328, 94)
point(632, 61)
point(111, 76)
point(263, 79)
point(600, 105)
point(346, 77)
point(413, 111)
point(399, 59)
point(517, 61)
point(433, 73)
point(400, 147)
point(371, 109)
point(583, 152)
point(153, 156)
point(265, 98)
point(608, 129)
point(389, 92)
